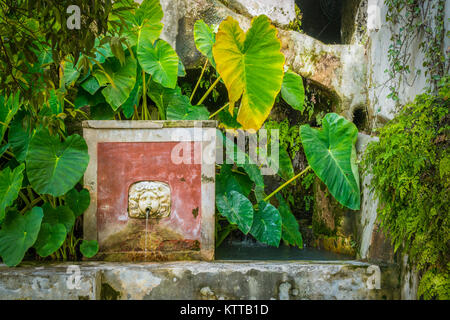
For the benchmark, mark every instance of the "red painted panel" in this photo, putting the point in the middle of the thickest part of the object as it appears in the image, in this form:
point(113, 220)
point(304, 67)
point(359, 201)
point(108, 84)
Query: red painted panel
point(120, 164)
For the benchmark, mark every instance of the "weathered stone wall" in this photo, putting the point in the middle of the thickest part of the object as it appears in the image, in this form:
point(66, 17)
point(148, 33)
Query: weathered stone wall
point(374, 244)
point(354, 73)
point(200, 280)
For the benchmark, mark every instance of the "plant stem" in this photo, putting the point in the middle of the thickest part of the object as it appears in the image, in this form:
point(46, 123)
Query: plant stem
point(24, 198)
point(71, 104)
point(286, 183)
point(215, 113)
point(198, 81)
point(144, 97)
point(31, 205)
point(209, 90)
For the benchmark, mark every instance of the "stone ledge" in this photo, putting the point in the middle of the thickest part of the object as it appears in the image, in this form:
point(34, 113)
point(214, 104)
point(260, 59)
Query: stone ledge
point(198, 280)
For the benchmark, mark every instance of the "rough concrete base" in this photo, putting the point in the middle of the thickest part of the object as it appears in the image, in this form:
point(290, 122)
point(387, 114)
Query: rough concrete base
point(199, 280)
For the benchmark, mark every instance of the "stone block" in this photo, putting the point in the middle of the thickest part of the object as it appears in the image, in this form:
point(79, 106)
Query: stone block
point(152, 189)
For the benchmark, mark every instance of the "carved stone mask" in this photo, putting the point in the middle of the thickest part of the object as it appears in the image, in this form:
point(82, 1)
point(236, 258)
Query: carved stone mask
point(149, 198)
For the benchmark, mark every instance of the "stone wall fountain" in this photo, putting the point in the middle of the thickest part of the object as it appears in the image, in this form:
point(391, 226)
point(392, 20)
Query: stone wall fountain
point(152, 189)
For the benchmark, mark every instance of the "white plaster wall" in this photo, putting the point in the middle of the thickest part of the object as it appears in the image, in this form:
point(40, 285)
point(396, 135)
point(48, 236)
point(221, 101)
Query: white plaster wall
point(378, 80)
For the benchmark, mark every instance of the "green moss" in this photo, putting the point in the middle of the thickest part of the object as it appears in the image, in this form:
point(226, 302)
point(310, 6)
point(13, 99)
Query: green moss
point(296, 25)
point(108, 293)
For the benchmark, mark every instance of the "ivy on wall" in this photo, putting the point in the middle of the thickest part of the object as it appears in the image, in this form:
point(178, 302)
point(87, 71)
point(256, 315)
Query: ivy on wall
point(411, 20)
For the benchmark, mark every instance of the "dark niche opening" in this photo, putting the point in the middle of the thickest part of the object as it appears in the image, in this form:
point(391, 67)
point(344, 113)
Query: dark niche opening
point(321, 19)
point(360, 118)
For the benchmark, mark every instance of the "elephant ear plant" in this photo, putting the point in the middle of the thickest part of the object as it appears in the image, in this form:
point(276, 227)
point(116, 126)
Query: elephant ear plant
point(38, 200)
point(136, 78)
point(41, 164)
point(251, 66)
point(133, 66)
point(133, 74)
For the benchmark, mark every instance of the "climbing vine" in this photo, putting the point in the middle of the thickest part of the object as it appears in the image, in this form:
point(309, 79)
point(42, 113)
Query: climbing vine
point(412, 20)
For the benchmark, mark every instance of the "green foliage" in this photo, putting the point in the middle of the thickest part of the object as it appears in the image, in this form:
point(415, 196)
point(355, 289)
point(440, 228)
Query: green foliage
point(123, 70)
point(59, 215)
point(204, 40)
point(331, 154)
point(78, 202)
point(9, 107)
point(38, 75)
point(290, 229)
point(54, 167)
point(118, 80)
point(27, 26)
point(18, 234)
point(407, 20)
point(89, 248)
point(412, 182)
point(267, 224)
point(132, 65)
point(179, 108)
point(251, 65)
point(288, 135)
point(236, 208)
point(50, 238)
point(10, 184)
point(292, 90)
point(159, 60)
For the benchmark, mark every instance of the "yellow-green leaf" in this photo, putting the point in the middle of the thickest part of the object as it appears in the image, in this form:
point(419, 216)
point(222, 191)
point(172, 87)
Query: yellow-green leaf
point(251, 66)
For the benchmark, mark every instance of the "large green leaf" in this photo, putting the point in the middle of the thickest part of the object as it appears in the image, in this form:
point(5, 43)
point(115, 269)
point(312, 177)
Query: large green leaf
point(71, 72)
point(331, 154)
point(54, 102)
point(237, 209)
point(228, 181)
point(59, 215)
point(78, 201)
point(228, 121)
point(102, 111)
point(180, 108)
point(102, 52)
point(161, 96)
point(50, 238)
point(91, 85)
point(19, 136)
point(290, 230)
point(251, 66)
point(160, 60)
point(3, 149)
point(251, 169)
point(129, 106)
point(18, 234)
point(8, 108)
point(266, 226)
point(150, 11)
point(10, 184)
point(89, 248)
point(84, 98)
point(119, 80)
point(146, 34)
point(292, 90)
point(54, 167)
point(204, 38)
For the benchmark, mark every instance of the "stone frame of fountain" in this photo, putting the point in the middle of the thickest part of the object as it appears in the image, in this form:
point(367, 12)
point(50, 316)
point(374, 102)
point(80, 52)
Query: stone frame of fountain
point(199, 133)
